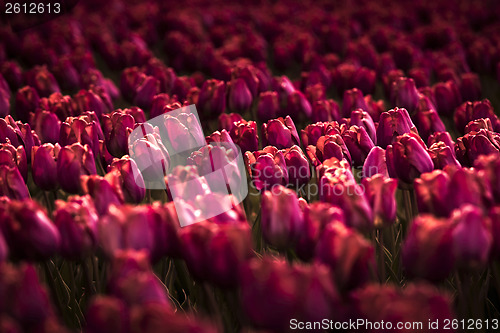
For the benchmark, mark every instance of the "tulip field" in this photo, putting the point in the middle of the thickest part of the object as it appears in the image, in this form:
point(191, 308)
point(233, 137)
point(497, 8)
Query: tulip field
point(367, 194)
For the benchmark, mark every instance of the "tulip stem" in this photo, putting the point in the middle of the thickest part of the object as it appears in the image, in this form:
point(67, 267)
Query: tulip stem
point(52, 286)
point(88, 278)
point(49, 205)
point(381, 257)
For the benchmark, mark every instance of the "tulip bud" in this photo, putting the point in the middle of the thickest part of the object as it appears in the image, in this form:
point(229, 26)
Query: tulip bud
point(363, 119)
point(72, 162)
point(298, 107)
point(89, 100)
point(359, 144)
point(281, 217)
point(447, 97)
point(9, 132)
point(47, 126)
point(329, 146)
point(76, 221)
point(353, 100)
point(151, 157)
point(116, 128)
point(56, 103)
point(42, 80)
point(444, 137)
point(212, 99)
point(317, 216)
point(392, 124)
point(102, 191)
point(131, 183)
point(428, 122)
point(12, 184)
point(404, 94)
point(487, 167)
point(244, 134)
point(229, 121)
point(267, 167)
point(474, 144)
point(324, 110)
point(268, 106)
point(442, 155)
point(472, 237)
point(478, 124)
point(407, 158)
point(145, 92)
point(239, 96)
point(280, 133)
point(29, 233)
point(380, 192)
point(470, 87)
point(375, 163)
point(297, 165)
point(44, 166)
point(428, 248)
point(26, 102)
point(469, 111)
point(12, 73)
point(353, 270)
point(313, 132)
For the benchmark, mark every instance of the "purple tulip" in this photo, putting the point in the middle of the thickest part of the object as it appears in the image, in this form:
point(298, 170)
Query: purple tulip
point(472, 238)
point(47, 126)
point(428, 251)
point(392, 124)
point(244, 134)
point(328, 146)
point(317, 216)
point(408, 158)
point(145, 92)
point(44, 166)
point(103, 191)
point(116, 127)
point(447, 97)
point(469, 111)
point(239, 96)
point(89, 100)
point(375, 163)
point(72, 162)
point(442, 155)
point(267, 167)
point(268, 106)
point(470, 87)
point(478, 124)
point(487, 166)
point(12, 73)
point(311, 134)
point(212, 99)
point(359, 144)
point(363, 119)
point(432, 191)
point(151, 157)
point(404, 94)
point(474, 144)
point(228, 121)
point(106, 313)
point(42, 80)
point(130, 79)
point(129, 179)
point(61, 105)
point(444, 137)
point(324, 110)
point(380, 192)
point(353, 100)
point(26, 102)
point(29, 233)
point(298, 107)
point(353, 270)
point(14, 157)
point(428, 122)
point(76, 221)
point(12, 184)
point(280, 133)
point(299, 172)
point(10, 132)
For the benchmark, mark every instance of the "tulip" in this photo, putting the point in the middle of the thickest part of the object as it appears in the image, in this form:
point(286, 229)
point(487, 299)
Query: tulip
point(427, 123)
point(47, 126)
point(151, 158)
point(467, 187)
point(324, 110)
point(470, 87)
point(421, 76)
point(469, 111)
point(250, 76)
point(56, 103)
point(314, 93)
point(375, 163)
point(158, 105)
point(244, 134)
point(317, 216)
point(364, 80)
point(280, 133)
point(29, 233)
point(13, 157)
point(313, 132)
point(228, 121)
point(474, 144)
point(428, 250)
point(44, 166)
point(478, 124)
point(472, 238)
point(487, 166)
point(12, 73)
point(392, 124)
point(407, 158)
point(42, 80)
point(106, 314)
point(298, 107)
point(116, 127)
point(444, 137)
point(182, 132)
point(353, 100)
point(375, 108)
point(359, 144)
point(12, 184)
point(76, 221)
point(447, 97)
point(350, 256)
point(221, 138)
point(72, 162)
point(26, 102)
point(281, 217)
point(130, 181)
point(267, 168)
point(363, 119)
point(130, 79)
point(338, 187)
point(239, 96)
point(380, 192)
point(145, 92)
point(103, 192)
point(268, 106)
point(442, 155)
point(88, 100)
point(329, 146)
point(404, 94)
point(140, 288)
point(9, 132)
point(432, 191)
point(297, 165)
point(212, 99)
point(66, 73)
